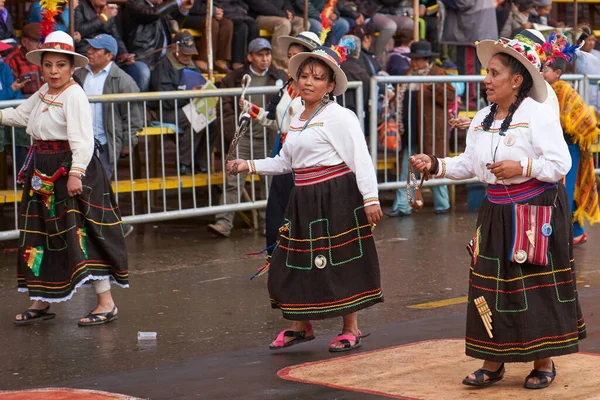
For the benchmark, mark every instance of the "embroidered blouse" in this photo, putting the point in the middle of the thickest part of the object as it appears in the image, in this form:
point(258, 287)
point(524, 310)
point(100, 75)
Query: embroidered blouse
point(67, 116)
point(534, 138)
point(332, 137)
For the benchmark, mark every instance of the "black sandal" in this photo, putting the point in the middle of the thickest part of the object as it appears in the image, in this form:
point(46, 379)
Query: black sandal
point(543, 377)
point(32, 315)
point(493, 377)
point(100, 318)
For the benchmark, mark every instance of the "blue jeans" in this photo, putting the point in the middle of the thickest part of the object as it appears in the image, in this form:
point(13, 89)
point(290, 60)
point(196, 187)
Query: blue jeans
point(140, 73)
point(570, 180)
point(340, 28)
point(441, 200)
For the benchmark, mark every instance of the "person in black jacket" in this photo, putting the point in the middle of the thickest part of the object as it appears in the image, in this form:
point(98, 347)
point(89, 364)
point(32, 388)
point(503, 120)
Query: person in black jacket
point(94, 17)
point(245, 29)
point(222, 34)
point(147, 28)
point(166, 76)
point(277, 16)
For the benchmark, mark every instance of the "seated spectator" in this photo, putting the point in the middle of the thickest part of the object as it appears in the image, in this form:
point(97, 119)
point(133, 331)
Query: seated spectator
point(387, 21)
point(7, 31)
point(94, 17)
point(355, 12)
point(518, 19)
point(541, 12)
point(62, 20)
point(167, 76)
point(367, 59)
point(112, 125)
point(20, 66)
point(263, 74)
point(354, 70)
point(428, 12)
point(277, 17)
point(245, 29)
point(338, 26)
point(149, 27)
point(398, 62)
point(222, 35)
point(10, 89)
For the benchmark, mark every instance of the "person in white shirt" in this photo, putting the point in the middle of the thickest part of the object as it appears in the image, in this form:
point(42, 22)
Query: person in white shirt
point(71, 230)
point(522, 266)
point(325, 263)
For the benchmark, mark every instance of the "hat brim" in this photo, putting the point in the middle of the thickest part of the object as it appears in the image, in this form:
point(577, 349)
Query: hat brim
point(419, 55)
point(188, 50)
point(341, 81)
point(486, 49)
point(35, 57)
point(286, 41)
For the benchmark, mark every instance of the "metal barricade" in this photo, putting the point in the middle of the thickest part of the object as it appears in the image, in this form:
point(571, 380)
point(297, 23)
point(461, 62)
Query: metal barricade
point(149, 182)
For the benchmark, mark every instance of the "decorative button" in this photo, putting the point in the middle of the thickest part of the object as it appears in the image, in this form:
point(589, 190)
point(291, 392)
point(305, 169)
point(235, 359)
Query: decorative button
point(546, 230)
point(320, 262)
point(36, 183)
point(521, 256)
point(510, 139)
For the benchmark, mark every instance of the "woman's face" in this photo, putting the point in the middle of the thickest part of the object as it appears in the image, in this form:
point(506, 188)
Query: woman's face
point(499, 83)
point(588, 44)
point(293, 50)
point(57, 70)
point(313, 83)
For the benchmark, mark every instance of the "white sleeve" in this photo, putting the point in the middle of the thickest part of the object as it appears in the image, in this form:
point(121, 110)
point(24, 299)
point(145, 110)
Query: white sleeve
point(349, 142)
point(80, 134)
point(461, 166)
point(553, 160)
point(279, 165)
point(20, 116)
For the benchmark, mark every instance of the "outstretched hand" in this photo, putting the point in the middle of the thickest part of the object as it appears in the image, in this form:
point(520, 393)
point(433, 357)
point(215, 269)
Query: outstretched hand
point(234, 167)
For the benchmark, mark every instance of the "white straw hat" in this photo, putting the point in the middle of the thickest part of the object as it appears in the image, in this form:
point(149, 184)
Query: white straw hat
point(307, 39)
point(57, 42)
point(331, 57)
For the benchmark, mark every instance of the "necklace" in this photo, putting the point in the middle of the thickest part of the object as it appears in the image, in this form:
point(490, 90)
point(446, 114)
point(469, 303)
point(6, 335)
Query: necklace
point(53, 101)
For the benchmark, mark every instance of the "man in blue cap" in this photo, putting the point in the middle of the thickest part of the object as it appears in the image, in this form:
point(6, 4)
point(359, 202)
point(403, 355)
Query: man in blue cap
point(103, 76)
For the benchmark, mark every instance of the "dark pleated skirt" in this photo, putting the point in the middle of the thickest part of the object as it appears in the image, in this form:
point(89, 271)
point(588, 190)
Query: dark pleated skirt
point(534, 309)
point(279, 196)
point(325, 263)
point(68, 241)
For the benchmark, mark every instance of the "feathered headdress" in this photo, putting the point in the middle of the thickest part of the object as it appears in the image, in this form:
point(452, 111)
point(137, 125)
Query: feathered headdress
point(325, 15)
point(556, 46)
point(50, 10)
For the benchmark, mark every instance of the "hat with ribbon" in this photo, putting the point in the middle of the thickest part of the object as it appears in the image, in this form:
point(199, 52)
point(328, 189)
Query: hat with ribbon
point(307, 39)
point(332, 56)
point(525, 53)
point(57, 42)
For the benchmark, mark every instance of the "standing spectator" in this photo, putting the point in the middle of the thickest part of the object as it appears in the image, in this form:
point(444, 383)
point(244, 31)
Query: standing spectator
point(245, 29)
point(149, 29)
point(262, 74)
point(388, 20)
point(112, 125)
point(167, 76)
point(398, 62)
point(367, 59)
point(518, 19)
point(62, 20)
point(424, 123)
point(354, 70)
point(222, 35)
point(94, 17)
point(277, 17)
point(7, 31)
point(339, 26)
point(10, 89)
point(588, 63)
point(480, 17)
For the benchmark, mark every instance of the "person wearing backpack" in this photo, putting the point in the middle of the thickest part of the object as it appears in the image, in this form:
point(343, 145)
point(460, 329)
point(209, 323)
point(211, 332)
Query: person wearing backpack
point(427, 133)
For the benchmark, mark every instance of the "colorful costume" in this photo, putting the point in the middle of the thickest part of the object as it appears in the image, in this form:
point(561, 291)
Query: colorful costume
point(64, 241)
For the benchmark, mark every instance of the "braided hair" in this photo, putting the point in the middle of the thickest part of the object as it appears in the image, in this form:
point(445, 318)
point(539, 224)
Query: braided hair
point(518, 68)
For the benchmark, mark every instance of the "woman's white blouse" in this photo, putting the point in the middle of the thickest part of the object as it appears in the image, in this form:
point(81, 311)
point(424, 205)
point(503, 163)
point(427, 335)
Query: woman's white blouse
point(67, 116)
point(332, 137)
point(534, 138)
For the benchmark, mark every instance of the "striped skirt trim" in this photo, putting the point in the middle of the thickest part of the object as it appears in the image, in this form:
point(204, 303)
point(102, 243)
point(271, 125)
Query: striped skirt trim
point(313, 175)
point(501, 194)
point(318, 308)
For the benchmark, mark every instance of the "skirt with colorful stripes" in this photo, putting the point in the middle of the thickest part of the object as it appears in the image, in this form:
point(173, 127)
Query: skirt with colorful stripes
point(325, 263)
point(535, 311)
point(67, 241)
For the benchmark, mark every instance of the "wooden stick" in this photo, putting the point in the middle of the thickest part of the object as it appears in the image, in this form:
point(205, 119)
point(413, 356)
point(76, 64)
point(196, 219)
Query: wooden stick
point(485, 313)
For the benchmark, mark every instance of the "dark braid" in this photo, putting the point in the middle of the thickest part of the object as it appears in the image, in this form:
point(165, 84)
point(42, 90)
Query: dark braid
point(516, 68)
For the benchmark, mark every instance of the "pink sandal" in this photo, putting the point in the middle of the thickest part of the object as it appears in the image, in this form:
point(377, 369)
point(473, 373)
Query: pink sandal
point(298, 337)
point(345, 340)
point(580, 240)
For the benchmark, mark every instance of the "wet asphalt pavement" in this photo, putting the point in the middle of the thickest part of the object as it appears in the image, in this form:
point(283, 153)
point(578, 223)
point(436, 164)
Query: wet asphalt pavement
point(214, 325)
